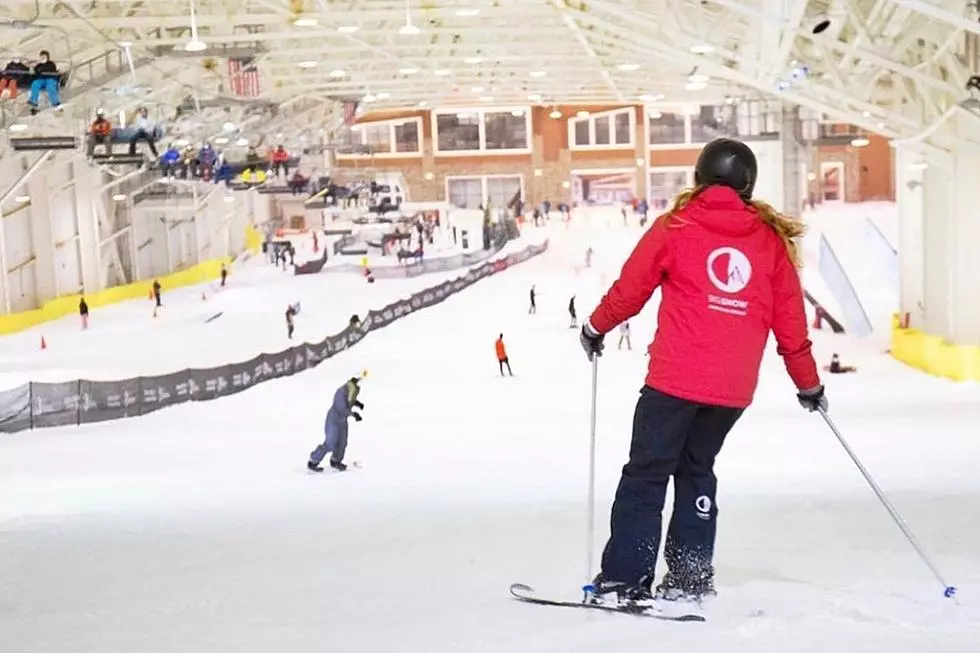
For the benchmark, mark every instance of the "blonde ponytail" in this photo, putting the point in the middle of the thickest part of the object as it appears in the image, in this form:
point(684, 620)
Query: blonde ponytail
point(786, 227)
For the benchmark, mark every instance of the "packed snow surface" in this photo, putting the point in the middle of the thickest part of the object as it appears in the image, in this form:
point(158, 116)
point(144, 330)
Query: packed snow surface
point(197, 528)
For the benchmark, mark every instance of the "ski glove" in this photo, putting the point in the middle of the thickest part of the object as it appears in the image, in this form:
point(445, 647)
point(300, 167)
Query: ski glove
point(592, 342)
point(357, 417)
point(813, 399)
point(358, 404)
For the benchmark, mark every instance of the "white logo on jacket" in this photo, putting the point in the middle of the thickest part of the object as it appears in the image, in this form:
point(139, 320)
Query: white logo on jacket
point(729, 269)
point(702, 506)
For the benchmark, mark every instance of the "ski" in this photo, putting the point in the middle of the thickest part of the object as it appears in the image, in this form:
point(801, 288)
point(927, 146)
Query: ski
point(526, 594)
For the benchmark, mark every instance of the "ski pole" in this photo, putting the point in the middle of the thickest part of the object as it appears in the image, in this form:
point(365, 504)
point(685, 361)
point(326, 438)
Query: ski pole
point(948, 590)
point(590, 520)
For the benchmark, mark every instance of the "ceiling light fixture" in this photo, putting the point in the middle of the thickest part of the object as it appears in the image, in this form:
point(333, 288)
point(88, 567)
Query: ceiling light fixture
point(229, 199)
point(442, 72)
point(309, 64)
point(473, 60)
point(242, 142)
point(702, 48)
point(347, 29)
point(486, 98)
point(517, 113)
point(537, 73)
point(118, 197)
point(383, 96)
point(656, 114)
point(627, 67)
point(369, 98)
point(860, 141)
point(477, 89)
point(534, 97)
point(228, 127)
point(408, 29)
point(555, 114)
point(338, 73)
point(221, 140)
point(18, 127)
point(697, 78)
point(407, 71)
point(422, 104)
point(305, 21)
point(582, 114)
point(695, 86)
point(466, 13)
point(22, 199)
point(195, 44)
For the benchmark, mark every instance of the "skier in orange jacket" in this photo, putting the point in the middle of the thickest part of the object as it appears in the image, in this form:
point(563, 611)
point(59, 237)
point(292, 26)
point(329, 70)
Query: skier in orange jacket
point(502, 356)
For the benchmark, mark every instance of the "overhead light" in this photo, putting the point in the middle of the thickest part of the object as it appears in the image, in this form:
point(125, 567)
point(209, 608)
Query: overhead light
point(279, 136)
point(628, 66)
point(242, 142)
point(422, 104)
point(656, 115)
point(695, 86)
point(517, 113)
point(467, 12)
point(566, 184)
point(442, 72)
point(555, 114)
point(534, 97)
point(639, 162)
point(537, 73)
point(369, 98)
point(650, 97)
point(229, 198)
point(697, 78)
point(881, 125)
point(228, 127)
point(866, 114)
point(383, 96)
point(18, 127)
point(308, 64)
point(221, 140)
point(195, 45)
point(22, 199)
point(462, 115)
point(477, 89)
point(429, 176)
point(125, 44)
point(181, 142)
point(407, 71)
point(919, 165)
point(702, 48)
point(486, 98)
point(473, 60)
point(118, 197)
point(860, 141)
point(582, 114)
point(305, 21)
point(338, 73)
point(347, 29)
point(409, 30)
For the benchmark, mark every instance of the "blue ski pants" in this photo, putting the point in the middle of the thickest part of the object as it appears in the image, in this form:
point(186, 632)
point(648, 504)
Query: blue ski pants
point(676, 438)
point(335, 441)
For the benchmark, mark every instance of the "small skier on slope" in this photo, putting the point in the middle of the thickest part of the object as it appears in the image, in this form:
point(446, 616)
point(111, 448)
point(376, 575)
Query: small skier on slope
point(726, 264)
point(335, 427)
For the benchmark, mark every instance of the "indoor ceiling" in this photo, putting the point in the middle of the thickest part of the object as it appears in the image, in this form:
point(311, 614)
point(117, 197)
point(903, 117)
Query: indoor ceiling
point(893, 66)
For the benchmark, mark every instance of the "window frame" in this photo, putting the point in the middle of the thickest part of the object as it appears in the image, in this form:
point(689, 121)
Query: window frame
point(652, 170)
point(611, 115)
point(483, 151)
point(682, 110)
point(392, 123)
point(483, 183)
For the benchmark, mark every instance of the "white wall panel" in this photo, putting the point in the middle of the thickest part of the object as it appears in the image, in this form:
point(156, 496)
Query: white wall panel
point(68, 275)
point(17, 232)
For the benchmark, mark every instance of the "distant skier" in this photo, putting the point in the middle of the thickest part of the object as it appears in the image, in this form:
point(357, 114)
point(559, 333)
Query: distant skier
point(502, 358)
point(335, 427)
point(624, 335)
point(726, 266)
point(157, 292)
point(83, 312)
point(291, 312)
point(572, 314)
point(224, 275)
point(588, 257)
point(533, 308)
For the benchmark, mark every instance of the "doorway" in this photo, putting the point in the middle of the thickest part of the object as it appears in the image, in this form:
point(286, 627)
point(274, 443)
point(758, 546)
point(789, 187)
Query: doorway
point(832, 181)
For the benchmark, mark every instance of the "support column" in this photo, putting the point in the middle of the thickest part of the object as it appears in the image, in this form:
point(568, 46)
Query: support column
point(964, 264)
point(910, 196)
point(935, 255)
point(87, 223)
point(42, 240)
point(794, 156)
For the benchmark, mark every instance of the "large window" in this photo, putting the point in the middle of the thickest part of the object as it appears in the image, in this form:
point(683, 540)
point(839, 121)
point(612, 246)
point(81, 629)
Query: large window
point(474, 192)
point(713, 122)
point(758, 118)
point(666, 128)
point(392, 138)
point(467, 131)
point(666, 184)
point(607, 130)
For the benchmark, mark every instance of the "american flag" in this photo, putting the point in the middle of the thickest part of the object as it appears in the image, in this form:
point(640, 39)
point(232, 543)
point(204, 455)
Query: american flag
point(350, 112)
point(244, 77)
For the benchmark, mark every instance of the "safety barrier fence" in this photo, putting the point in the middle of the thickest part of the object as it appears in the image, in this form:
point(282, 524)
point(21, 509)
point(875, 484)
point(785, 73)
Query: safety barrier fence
point(833, 274)
point(41, 405)
point(882, 251)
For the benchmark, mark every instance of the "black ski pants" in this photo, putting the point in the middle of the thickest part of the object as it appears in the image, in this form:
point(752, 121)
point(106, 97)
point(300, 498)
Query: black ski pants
point(502, 362)
point(671, 437)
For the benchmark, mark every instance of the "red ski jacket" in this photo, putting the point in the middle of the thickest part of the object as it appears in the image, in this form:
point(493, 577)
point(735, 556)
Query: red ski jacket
point(726, 281)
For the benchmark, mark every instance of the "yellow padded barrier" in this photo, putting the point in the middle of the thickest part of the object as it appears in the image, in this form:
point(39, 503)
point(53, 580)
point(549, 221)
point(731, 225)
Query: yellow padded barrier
point(68, 304)
point(933, 355)
point(253, 239)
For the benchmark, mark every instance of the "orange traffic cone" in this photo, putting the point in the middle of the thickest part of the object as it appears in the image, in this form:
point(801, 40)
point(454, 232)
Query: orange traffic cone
point(44, 344)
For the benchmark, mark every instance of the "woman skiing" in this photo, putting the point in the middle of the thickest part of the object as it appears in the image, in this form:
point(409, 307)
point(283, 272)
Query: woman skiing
point(726, 266)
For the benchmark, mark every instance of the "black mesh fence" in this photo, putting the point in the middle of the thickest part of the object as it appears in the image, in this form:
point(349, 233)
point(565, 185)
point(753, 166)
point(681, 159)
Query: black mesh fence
point(41, 405)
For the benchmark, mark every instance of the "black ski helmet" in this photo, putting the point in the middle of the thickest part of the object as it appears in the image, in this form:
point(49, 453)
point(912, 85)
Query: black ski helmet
point(727, 162)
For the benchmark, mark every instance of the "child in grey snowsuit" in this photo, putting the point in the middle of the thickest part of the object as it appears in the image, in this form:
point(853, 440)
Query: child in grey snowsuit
point(335, 427)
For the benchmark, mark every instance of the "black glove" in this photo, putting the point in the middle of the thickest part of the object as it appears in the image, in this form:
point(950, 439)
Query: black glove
point(592, 342)
point(358, 404)
point(357, 417)
point(813, 399)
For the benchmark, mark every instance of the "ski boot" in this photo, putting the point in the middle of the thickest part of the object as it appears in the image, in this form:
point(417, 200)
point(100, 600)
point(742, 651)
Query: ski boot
point(340, 467)
point(674, 588)
point(623, 594)
point(313, 467)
